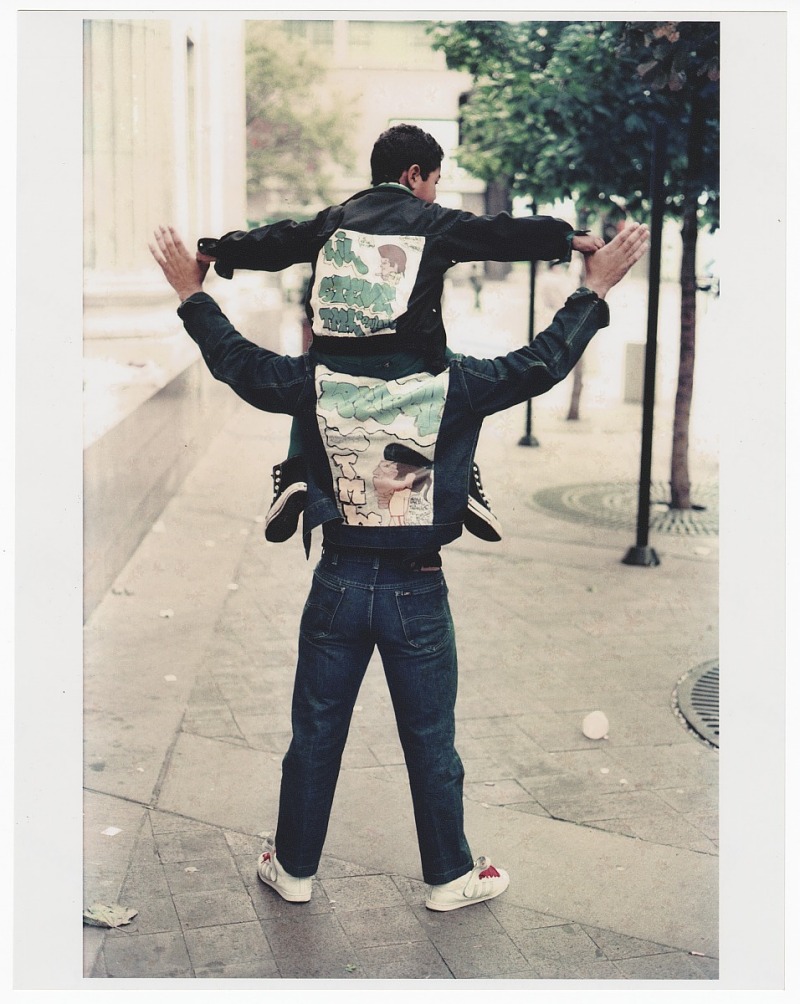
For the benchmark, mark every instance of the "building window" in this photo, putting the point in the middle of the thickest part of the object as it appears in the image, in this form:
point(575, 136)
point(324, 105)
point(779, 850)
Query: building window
point(317, 33)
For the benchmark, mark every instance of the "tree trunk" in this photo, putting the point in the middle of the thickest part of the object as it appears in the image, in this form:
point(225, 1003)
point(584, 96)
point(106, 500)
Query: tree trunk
point(681, 489)
point(573, 415)
point(681, 497)
point(498, 200)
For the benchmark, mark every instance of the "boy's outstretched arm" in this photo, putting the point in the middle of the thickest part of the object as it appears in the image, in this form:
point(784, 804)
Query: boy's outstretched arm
point(586, 243)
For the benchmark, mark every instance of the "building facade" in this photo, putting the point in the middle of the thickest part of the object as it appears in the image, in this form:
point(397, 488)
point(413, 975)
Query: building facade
point(379, 73)
point(164, 126)
point(164, 142)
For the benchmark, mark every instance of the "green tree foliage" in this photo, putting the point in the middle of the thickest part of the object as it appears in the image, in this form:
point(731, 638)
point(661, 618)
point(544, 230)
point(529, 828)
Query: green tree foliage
point(566, 109)
point(563, 110)
point(291, 138)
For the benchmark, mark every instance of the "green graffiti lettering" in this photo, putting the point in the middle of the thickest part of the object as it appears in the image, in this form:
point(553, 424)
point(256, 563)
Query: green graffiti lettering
point(376, 297)
point(352, 322)
point(341, 253)
point(384, 403)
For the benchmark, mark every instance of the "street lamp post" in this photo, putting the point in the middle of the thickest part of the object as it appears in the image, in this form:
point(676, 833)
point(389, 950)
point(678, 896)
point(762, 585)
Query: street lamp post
point(529, 439)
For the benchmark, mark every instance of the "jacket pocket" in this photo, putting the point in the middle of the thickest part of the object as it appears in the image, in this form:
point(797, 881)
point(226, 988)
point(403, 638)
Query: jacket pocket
point(425, 617)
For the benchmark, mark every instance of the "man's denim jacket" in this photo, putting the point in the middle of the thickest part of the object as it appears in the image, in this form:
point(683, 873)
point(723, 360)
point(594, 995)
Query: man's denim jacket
point(388, 461)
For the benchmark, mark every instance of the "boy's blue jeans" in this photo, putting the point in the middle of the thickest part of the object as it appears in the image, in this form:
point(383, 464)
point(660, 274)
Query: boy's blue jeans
point(357, 602)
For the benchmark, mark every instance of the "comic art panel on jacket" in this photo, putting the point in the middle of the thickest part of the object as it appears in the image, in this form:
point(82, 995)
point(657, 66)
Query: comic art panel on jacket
point(363, 282)
point(380, 437)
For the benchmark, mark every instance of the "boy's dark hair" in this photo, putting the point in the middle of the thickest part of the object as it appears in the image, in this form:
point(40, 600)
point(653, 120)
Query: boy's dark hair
point(398, 148)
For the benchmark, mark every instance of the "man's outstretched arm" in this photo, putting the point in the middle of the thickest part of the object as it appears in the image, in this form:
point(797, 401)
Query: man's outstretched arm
point(262, 378)
point(183, 272)
point(495, 384)
point(606, 267)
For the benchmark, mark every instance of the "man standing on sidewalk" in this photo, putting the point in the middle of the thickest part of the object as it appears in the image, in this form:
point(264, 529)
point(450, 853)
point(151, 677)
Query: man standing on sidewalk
point(379, 581)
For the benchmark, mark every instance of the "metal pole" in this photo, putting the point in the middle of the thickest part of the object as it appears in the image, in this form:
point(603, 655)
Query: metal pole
point(529, 439)
point(641, 553)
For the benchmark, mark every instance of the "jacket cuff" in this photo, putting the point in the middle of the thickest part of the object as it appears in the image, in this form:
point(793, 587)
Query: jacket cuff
point(568, 256)
point(210, 246)
point(197, 298)
point(585, 293)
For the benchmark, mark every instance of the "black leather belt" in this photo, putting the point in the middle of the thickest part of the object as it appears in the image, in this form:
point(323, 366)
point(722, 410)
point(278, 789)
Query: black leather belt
point(405, 559)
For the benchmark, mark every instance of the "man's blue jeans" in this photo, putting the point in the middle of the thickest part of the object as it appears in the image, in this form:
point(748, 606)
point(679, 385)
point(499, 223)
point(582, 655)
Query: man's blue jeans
point(357, 602)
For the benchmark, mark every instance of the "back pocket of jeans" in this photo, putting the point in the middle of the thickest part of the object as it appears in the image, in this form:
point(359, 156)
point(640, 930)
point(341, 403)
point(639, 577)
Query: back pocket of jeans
point(320, 609)
point(425, 617)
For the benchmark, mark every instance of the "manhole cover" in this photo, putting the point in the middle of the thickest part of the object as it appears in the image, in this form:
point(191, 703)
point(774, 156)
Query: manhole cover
point(696, 697)
point(617, 506)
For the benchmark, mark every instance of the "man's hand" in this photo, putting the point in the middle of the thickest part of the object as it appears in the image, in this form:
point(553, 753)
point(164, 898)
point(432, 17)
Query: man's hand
point(605, 268)
point(183, 272)
point(586, 243)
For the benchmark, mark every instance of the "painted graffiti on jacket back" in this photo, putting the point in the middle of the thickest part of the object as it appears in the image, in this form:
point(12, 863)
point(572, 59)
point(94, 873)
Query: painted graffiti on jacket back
point(364, 281)
point(380, 437)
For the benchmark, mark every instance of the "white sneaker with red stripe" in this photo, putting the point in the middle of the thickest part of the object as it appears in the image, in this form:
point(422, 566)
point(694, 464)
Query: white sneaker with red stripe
point(483, 882)
point(272, 873)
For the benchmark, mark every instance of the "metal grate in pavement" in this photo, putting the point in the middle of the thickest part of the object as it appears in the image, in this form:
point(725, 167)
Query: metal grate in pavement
point(616, 505)
point(696, 698)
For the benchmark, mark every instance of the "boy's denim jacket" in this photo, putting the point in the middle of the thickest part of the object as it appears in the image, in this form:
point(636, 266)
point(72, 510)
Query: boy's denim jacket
point(378, 262)
point(388, 462)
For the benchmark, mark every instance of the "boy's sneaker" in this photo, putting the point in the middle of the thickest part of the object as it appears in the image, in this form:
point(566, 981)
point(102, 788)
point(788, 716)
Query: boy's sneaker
point(480, 520)
point(271, 873)
point(291, 493)
point(483, 882)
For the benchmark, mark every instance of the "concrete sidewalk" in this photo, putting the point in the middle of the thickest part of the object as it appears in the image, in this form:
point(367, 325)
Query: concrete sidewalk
point(611, 844)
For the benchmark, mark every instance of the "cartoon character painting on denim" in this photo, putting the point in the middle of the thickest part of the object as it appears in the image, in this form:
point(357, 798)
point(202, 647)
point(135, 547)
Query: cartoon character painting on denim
point(380, 437)
point(363, 282)
point(393, 263)
point(401, 479)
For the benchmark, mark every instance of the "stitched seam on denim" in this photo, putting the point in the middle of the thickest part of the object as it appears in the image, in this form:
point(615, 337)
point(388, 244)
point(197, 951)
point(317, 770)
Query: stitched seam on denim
point(333, 582)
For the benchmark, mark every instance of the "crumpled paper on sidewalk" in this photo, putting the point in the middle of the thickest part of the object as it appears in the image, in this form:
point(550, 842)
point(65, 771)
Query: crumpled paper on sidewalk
point(108, 915)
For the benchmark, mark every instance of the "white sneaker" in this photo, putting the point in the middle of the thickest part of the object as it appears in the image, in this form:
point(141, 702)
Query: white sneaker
point(271, 873)
point(483, 882)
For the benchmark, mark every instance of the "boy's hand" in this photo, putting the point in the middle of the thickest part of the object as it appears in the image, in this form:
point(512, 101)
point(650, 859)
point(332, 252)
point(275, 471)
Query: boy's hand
point(605, 268)
point(183, 272)
point(586, 243)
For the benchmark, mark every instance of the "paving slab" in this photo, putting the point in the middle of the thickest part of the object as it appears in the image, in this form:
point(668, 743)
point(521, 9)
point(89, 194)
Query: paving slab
point(110, 832)
point(222, 783)
point(612, 881)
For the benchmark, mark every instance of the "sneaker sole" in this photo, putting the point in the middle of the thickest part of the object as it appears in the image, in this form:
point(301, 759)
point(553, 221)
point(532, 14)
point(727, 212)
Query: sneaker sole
point(481, 522)
point(281, 522)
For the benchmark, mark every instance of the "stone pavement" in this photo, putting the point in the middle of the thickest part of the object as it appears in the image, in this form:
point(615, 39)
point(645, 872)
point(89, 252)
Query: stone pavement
point(611, 844)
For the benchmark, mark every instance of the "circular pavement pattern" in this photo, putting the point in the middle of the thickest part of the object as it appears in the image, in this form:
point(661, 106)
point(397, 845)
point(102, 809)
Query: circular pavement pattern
point(617, 506)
